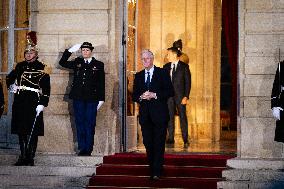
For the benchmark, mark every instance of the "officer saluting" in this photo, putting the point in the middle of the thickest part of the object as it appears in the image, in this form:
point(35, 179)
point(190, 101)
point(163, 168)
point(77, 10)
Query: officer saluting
point(87, 92)
point(277, 102)
point(31, 87)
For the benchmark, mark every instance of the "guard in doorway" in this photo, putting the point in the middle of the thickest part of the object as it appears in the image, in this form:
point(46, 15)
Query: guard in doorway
point(181, 80)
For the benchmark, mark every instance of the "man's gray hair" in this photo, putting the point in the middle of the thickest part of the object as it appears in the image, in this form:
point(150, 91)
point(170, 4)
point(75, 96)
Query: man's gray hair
point(147, 51)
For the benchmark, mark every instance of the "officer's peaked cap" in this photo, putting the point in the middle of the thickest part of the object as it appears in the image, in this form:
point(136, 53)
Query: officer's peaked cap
point(87, 45)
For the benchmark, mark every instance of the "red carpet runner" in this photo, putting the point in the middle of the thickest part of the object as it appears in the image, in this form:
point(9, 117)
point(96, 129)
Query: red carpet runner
point(130, 170)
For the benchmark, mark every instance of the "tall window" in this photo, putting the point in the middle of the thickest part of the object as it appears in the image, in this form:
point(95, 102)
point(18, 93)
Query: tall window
point(14, 25)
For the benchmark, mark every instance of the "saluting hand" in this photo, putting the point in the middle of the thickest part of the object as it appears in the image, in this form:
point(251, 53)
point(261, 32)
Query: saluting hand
point(74, 48)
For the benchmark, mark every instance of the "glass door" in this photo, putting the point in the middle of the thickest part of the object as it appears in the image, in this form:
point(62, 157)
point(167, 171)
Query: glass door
point(131, 59)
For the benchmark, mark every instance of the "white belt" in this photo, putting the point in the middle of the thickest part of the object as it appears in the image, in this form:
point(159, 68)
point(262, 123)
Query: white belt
point(28, 89)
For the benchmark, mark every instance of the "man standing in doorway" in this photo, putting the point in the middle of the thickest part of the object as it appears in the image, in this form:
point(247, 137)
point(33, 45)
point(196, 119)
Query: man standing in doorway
point(181, 80)
point(87, 92)
point(151, 90)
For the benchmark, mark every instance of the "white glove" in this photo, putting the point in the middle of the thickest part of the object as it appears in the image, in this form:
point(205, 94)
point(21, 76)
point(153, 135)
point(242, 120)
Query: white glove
point(39, 109)
point(13, 88)
point(100, 104)
point(276, 112)
point(74, 48)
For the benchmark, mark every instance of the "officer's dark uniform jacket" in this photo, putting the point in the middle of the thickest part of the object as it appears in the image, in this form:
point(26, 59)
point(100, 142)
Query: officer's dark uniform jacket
point(33, 89)
point(277, 100)
point(89, 78)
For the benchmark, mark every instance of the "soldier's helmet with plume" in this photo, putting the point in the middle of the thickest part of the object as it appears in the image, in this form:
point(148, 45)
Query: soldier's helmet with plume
point(31, 42)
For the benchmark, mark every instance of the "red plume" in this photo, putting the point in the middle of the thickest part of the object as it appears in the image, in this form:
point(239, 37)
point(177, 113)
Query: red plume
point(32, 36)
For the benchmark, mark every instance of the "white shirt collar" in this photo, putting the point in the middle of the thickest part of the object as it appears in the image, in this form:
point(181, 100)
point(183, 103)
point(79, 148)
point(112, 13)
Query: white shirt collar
point(89, 59)
point(151, 71)
point(174, 63)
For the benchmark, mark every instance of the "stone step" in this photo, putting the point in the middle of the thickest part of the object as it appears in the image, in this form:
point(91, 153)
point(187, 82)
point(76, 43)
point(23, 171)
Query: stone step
point(56, 160)
point(249, 185)
point(25, 181)
point(50, 171)
point(253, 175)
point(41, 187)
point(47, 171)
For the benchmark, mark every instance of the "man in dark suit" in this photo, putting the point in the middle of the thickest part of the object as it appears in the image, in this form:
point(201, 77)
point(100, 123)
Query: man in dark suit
point(87, 92)
point(151, 90)
point(181, 79)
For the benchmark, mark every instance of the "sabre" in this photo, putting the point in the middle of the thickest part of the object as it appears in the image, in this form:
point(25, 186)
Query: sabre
point(31, 132)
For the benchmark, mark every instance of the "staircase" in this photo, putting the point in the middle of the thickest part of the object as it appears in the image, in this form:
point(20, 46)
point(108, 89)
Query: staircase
point(50, 171)
point(130, 170)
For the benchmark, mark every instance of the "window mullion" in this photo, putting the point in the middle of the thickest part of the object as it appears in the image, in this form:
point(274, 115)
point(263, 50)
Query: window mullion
point(11, 35)
point(11, 46)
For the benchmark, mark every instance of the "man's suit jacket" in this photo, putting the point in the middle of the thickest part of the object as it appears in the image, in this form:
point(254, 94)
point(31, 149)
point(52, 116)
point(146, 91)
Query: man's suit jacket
point(181, 79)
point(154, 109)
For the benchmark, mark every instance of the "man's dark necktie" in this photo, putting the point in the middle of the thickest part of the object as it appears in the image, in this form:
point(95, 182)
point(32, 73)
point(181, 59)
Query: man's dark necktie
point(174, 70)
point(148, 80)
point(87, 62)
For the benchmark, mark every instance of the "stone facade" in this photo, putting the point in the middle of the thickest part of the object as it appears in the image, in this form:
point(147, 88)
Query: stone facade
point(261, 36)
point(260, 159)
point(61, 24)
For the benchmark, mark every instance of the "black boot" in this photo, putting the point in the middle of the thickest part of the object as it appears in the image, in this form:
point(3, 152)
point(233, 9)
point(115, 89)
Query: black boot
point(21, 161)
point(22, 158)
point(31, 150)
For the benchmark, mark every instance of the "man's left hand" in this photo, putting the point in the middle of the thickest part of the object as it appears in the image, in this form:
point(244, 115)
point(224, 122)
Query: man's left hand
point(184, 101)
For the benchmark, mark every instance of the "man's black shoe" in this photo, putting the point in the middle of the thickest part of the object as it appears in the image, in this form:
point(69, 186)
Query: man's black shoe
point(186, 145)
point(156, 177)
point(30, 162)
point(170, 141)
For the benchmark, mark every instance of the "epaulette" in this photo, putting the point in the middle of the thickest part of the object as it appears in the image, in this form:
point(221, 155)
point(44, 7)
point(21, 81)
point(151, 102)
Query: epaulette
point(47, 69)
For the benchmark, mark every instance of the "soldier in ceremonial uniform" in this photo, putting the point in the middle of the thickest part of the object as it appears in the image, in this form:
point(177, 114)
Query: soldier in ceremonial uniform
point(31, 87)
point(87, 92)
point(277, 102)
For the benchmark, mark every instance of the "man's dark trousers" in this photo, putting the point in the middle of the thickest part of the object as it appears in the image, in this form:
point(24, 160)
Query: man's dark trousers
point(154, 136)
point(173, 104)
